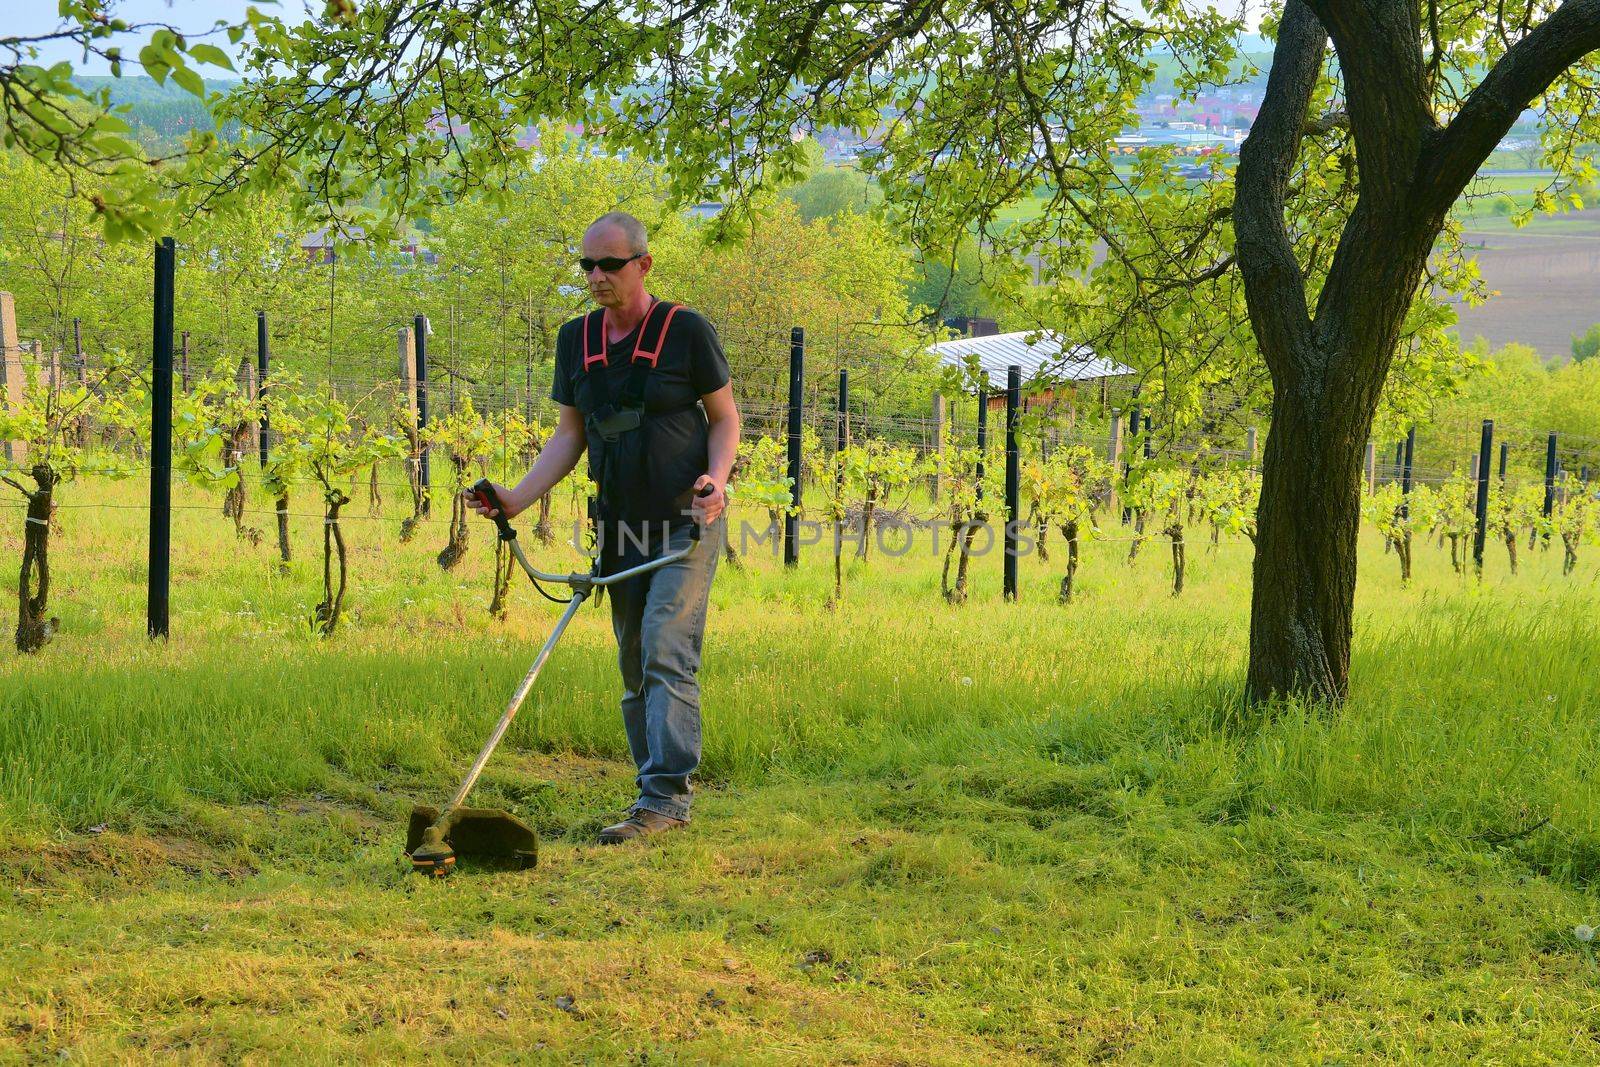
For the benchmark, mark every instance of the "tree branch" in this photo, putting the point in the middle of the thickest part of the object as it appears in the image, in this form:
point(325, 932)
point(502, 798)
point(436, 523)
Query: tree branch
point(1380, 56)
point(1274, 285)
point(1522, 75)
point(1333, 120)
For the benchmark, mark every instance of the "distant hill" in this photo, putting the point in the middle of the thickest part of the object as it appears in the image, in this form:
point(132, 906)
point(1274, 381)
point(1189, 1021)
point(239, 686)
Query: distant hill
point(162, 115)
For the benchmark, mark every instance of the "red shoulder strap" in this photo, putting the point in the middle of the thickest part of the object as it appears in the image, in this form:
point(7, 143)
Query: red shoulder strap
point(594, 338)
point(652, 352)
point(652, 335)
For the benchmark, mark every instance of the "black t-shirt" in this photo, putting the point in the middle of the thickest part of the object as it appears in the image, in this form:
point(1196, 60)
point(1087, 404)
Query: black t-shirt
point(673, 451)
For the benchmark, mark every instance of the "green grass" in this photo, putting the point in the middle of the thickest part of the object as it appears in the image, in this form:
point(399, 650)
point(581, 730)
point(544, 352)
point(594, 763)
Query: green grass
point(924, 834)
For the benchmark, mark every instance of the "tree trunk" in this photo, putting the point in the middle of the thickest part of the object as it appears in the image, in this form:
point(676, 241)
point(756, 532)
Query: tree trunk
point(503, 562)
point(1403, 547)
point(326, 618)
point(1304, 575)
point(949, 554)
point(1569, 560)
point(1175, 531)
point(542, 530)
point(866, 522)
point(1511, 548)
point(374, 495)
point(1069, 531)
point(283, 529)
point(958, 595)
point(408, 526)
point(33, 584)
point(456, 547)
point(1138, 535)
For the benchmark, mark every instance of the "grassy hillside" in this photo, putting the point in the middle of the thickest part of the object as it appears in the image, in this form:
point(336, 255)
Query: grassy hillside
point(924, 834)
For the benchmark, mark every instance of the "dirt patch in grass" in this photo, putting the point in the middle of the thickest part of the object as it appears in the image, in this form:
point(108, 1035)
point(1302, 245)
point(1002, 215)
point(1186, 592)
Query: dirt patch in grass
point(111, 861)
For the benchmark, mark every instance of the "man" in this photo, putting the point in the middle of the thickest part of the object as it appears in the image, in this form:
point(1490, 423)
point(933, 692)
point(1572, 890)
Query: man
point(642, 386)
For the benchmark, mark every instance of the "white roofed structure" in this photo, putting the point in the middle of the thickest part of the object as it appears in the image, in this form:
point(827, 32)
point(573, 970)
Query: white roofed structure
point(1045, 361)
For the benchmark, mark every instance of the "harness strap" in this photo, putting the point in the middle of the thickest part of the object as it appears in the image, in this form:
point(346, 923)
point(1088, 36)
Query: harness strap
point(647, 349)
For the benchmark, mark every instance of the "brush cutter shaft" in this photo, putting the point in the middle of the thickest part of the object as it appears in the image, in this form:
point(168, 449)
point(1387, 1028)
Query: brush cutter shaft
point(516, 702)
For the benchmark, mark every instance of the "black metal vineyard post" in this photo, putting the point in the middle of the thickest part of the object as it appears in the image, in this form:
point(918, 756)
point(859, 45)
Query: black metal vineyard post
point(983, 429)
point(1407, 452)
point(842, 427)
point(1013, 478)
point(159, 571)
point(797, 385)
point(419, 328)
point(1550, 475)
point(1481, 507)
point(1127, 452)
point(263, 359)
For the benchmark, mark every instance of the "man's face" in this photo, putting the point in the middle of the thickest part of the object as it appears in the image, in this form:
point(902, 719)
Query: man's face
point(617, 288)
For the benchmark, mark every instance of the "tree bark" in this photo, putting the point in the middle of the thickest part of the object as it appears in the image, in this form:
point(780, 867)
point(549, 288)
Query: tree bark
point(503, 561)
point(33, 583)
point(1069, 533)
point(283, 529)
point(456, 547)
point(326, 619)
point(1175, 532)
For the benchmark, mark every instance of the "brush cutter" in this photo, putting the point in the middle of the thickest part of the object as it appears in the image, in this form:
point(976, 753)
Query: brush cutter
point(434, 839)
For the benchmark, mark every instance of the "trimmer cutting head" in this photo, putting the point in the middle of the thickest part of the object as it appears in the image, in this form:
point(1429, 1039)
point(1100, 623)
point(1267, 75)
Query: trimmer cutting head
point(433, 841)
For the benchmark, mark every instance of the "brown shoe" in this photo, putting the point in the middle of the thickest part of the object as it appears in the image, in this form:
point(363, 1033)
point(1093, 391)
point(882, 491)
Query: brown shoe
point(641, 822)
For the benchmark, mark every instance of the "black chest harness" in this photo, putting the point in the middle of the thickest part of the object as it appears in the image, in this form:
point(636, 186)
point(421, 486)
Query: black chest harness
point(610, 418)
point(618, 426)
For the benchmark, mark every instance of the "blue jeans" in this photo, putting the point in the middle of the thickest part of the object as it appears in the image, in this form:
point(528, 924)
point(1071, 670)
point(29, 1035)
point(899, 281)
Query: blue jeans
point(659, 620)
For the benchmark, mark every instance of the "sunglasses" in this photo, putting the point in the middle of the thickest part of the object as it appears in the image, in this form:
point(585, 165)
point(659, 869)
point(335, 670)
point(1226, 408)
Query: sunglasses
point(610, 264)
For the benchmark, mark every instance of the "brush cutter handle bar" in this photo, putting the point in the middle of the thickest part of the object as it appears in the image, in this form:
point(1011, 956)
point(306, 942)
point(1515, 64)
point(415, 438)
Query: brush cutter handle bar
point(584, 582)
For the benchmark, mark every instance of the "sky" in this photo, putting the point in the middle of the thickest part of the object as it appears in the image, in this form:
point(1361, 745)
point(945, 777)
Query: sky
point(25, 18)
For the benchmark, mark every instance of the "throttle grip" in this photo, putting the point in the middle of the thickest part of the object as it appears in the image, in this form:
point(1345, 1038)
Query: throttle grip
point(484, 493)
point(694, 527)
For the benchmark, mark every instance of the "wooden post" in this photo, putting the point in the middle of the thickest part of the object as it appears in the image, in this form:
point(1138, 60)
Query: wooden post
point(1114, 440)
point(1250, 446)
point(1372, 467)
point(13, 382)
point(938, 443)
point(183, 361)
point(408, 375)
point(1505, 457)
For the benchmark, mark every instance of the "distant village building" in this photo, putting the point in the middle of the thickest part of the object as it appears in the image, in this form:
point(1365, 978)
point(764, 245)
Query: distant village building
point(1052, 370)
